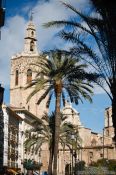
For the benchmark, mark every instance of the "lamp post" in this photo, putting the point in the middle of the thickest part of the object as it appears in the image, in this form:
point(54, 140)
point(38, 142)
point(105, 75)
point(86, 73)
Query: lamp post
point(74, 153)
point(1, 128)
point(72, 138)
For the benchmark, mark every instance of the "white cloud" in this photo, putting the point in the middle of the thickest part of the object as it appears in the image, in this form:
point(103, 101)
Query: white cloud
point(52, 10)
point(44, 13)
point(11, 43)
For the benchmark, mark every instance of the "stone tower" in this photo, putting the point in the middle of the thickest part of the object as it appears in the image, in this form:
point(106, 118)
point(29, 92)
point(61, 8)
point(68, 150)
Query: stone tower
point(108, 130)
point(22, 73)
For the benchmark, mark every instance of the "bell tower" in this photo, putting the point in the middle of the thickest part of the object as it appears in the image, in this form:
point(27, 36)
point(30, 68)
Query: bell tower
point(22, 73)
point(30, 45)
point(108, 129)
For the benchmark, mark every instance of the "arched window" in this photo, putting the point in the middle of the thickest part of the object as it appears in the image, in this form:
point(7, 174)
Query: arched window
point(16, 77)
point(32, 33)
point(93, 142)
point(32, 45)
point(107, 132)
point(91, 157)
point(108, 119)
point(29, 75)
point(28, 108)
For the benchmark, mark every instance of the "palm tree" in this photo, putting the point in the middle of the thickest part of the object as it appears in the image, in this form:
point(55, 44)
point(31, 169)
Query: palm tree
point(43, 132)
point(100, 29)
point(62, 74)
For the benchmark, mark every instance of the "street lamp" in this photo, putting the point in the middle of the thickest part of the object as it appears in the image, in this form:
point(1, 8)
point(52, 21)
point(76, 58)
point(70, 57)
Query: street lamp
point(74, 153)
point(72, 138)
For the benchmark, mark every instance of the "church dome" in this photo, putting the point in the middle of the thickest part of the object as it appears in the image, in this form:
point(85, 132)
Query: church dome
point(72, 114)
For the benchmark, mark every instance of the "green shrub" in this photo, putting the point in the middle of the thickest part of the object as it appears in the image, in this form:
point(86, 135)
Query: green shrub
point(110, 164)
point(31, 165)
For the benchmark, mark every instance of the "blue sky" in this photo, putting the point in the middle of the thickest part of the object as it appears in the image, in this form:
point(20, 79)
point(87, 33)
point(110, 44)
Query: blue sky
point(12, 41)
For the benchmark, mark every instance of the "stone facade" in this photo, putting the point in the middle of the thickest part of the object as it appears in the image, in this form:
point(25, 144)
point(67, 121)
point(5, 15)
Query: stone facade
point(93, 146)
point(11, 138)
point(16, 122)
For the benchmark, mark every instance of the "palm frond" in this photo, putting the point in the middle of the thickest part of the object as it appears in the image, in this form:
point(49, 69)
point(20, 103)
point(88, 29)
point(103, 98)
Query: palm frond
point(44, 95)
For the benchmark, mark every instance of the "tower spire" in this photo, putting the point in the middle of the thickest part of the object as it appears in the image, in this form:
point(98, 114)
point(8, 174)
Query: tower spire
point(31, 15)
point(30, 46)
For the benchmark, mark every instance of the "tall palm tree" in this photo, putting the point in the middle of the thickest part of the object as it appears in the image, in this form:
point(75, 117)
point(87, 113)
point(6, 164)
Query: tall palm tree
point(62, 74)
point(99, 27)
point(40, 134)
point(43, 132)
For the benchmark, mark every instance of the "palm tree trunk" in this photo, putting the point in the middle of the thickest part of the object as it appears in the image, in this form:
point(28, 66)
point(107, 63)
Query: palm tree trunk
point(57, 126)
point(50, 160)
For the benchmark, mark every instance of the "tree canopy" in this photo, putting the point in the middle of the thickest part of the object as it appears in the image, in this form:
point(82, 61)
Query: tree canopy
point(99, 28)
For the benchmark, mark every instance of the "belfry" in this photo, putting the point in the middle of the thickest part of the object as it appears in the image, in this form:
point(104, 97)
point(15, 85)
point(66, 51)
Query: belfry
point(22, 73)
point(30, 46)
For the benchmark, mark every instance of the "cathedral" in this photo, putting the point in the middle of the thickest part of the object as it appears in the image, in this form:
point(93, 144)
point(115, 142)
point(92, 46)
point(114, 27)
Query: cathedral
point(19, 115)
